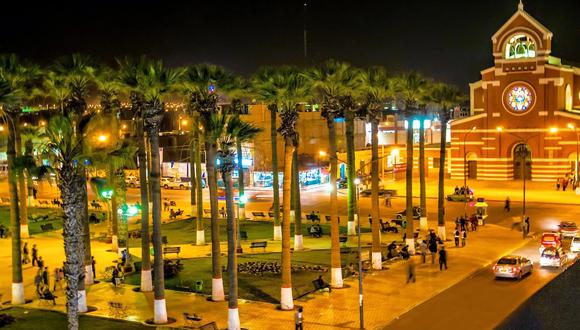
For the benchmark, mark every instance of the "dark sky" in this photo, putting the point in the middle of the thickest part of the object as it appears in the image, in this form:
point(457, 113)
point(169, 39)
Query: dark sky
point(448, 40)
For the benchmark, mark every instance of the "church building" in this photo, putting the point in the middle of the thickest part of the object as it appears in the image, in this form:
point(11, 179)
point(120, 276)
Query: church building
point(524, 112)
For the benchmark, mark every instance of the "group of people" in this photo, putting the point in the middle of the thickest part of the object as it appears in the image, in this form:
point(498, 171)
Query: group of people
point(565, 181)
point(433, 245)
point(467, 224)
point(462, 191)
point(36, 259)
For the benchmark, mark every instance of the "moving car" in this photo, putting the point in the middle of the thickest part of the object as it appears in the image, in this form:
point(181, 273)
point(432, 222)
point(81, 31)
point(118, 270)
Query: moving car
point(461, 197)
point(512, 267)
point(132, 181)
point(575, 244)
point(174, 183)
point(550, 240)
point(568, 229)
point(553, 257)
point(403, 214)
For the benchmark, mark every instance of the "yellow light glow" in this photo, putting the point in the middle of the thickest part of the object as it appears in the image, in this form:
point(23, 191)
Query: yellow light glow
point(124, 126)
point(102, 138)
point(322, 153)
point(1, 128)
point(42, 123)
point(357, 181)
point(184, 122)
point(499, 129)
point(553, 129)
point(25, 124)
point(571, 126)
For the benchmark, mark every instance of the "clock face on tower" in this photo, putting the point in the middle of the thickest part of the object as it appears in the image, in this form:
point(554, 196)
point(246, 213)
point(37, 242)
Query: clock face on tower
point(519, 97)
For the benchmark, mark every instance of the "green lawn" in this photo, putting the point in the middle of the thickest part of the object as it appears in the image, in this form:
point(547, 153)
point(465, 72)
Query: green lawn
point(263, 288)
point(28, 319)
point(54, 217)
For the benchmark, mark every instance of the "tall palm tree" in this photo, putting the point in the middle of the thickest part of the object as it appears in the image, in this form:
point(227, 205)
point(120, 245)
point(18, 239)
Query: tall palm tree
point(350, 114)
point(233, 129)
point(445, 97)
point(284, 88)
point(422, 187)
point(334, 83)
point(204, 84)
point(297, 204)
point(411, 88)
point(155, 83)
point(376, 89)
point(129, 78)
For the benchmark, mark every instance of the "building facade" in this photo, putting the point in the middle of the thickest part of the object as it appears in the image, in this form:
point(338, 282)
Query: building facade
point(525, 110)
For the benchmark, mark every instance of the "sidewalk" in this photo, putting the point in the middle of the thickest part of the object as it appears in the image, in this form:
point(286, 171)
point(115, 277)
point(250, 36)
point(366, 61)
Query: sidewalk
point(386, 296)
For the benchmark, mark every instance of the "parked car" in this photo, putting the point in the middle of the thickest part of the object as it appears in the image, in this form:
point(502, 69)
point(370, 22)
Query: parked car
point(132, 181)
point(174, 183)
point(512, 267)
point(550, 240)
point(568, 229)
point(342, 184)
point(575, 244)
point(553, 257)
point(382, 192)
point(461, 197)
point(403, 214)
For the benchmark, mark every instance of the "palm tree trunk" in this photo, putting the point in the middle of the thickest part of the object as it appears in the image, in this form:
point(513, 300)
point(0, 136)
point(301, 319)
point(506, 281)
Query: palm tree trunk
point(88, 261)
point(233, 315)
point(335, 264)
point(71, 182)
point(17, 285)
point(22, 191)
point(375, 214)
point(286, 300)
point(114, 215)
point(275, 183)
point(200, 236)
point(146, 279)
point(217, 287)
point(423, 198)
point(409, 188)
point(351, 173)
point(160, 310)
point(441, 193)
point(298, 241)
point(241, 194)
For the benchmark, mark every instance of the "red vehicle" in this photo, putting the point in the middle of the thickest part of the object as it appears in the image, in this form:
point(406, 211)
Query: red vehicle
point(550, 240)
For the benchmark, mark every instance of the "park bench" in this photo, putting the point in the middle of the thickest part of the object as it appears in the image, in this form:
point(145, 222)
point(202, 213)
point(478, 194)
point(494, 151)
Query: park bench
point(40, 218)
point(44, 301)
point(96, 205)
point(4, 200)
point(244, 235)
point(134, 234)
point(398, 222)
point(386, 227)
point(117, 309)
point(260, 244)
point(342, 239)
point(164, 240)
point(257, 215)
point(327, 217)
point(207, 211)
point(209, 326)
point(175, 214)
point(191, 320)
point(171, 249)
point(43, 202)
point(46, 227)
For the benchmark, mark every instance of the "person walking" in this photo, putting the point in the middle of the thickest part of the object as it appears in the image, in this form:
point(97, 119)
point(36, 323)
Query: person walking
point(93, 262)
point(40, 263)
point(423, 248)
point(463, 237)
point(410, 270)
point(299, 319)
point(558, 184)
point(564, 184)
point(388, 200)
point(507, 204)
point(57, 281)
point(2, 230)
point(38, 281)
point(442, 258)
point(34, 255)
point(527, 222)
point(456, 236)
point(433, 250)
point(25, 258)
point(45, 275)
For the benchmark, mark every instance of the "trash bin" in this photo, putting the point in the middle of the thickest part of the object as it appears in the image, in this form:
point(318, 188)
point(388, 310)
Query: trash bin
point(199, 286)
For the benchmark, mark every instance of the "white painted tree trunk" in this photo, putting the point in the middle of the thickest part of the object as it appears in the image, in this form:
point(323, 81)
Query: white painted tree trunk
point(351, 228)
point(24, 233)
point(217, 289)
point(242, 213)
point(18, 294)
point(411, 243)
point(298, 243)
point(286, 301)
point(159, 312)
point(377, 260)
point(82, 296)
point(89, 276)
point(441, 233)
point(423, 224)
point(200, 237)
point(277, 233)
point(233, 319)
point(336, 278)
point(146, 281)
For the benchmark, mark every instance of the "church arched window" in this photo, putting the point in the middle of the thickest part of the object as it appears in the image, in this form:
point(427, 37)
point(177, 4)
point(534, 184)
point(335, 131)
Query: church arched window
point(520, 46)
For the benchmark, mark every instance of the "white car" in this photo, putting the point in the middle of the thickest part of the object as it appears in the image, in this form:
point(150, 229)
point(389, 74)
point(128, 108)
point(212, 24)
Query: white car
point(512, 267)
point(173, 183)
point(575, 244)
point(132, 181)
point(553, 257)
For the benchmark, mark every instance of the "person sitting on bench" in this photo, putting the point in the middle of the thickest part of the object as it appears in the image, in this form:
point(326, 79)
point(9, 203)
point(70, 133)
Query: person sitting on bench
point(392, 250)
point(45, 294)
point(321, 284)
point(316, 230)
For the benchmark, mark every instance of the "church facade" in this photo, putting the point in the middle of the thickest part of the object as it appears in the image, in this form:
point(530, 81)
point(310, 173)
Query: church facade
point(524, 112)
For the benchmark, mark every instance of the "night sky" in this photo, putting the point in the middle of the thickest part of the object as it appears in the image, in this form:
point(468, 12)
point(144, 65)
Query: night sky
point(447, 40)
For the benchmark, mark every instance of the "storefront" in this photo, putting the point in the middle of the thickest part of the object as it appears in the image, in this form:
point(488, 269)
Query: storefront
point(307, 178)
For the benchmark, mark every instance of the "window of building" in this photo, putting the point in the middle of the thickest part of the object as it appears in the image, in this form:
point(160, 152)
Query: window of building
point(568, 97)
point(436, 162)
point(520, 46)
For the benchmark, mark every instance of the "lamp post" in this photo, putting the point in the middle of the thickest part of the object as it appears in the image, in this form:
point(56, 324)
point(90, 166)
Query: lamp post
point(572, 126)
point(465, 167)
point(360, 270)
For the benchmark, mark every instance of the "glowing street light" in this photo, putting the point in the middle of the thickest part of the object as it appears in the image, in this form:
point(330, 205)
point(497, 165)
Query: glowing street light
point(102, 138)
point(322, 153)
point(553, 129)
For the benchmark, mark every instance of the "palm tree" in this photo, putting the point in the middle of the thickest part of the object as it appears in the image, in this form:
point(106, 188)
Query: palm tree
point(155, 82)
point(422, 188)
point(297, 204)
point(284, 88)
point(445, 97)
point(204, 83)
point(411, 89)
point(128, 78)
point(233, 129)
point(333, 83)
point(376, 89)
point(350, 114)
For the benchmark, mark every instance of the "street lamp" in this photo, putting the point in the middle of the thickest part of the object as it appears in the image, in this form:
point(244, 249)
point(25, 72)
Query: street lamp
point(360, 270)
point(465, 167)
point(572, 126)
